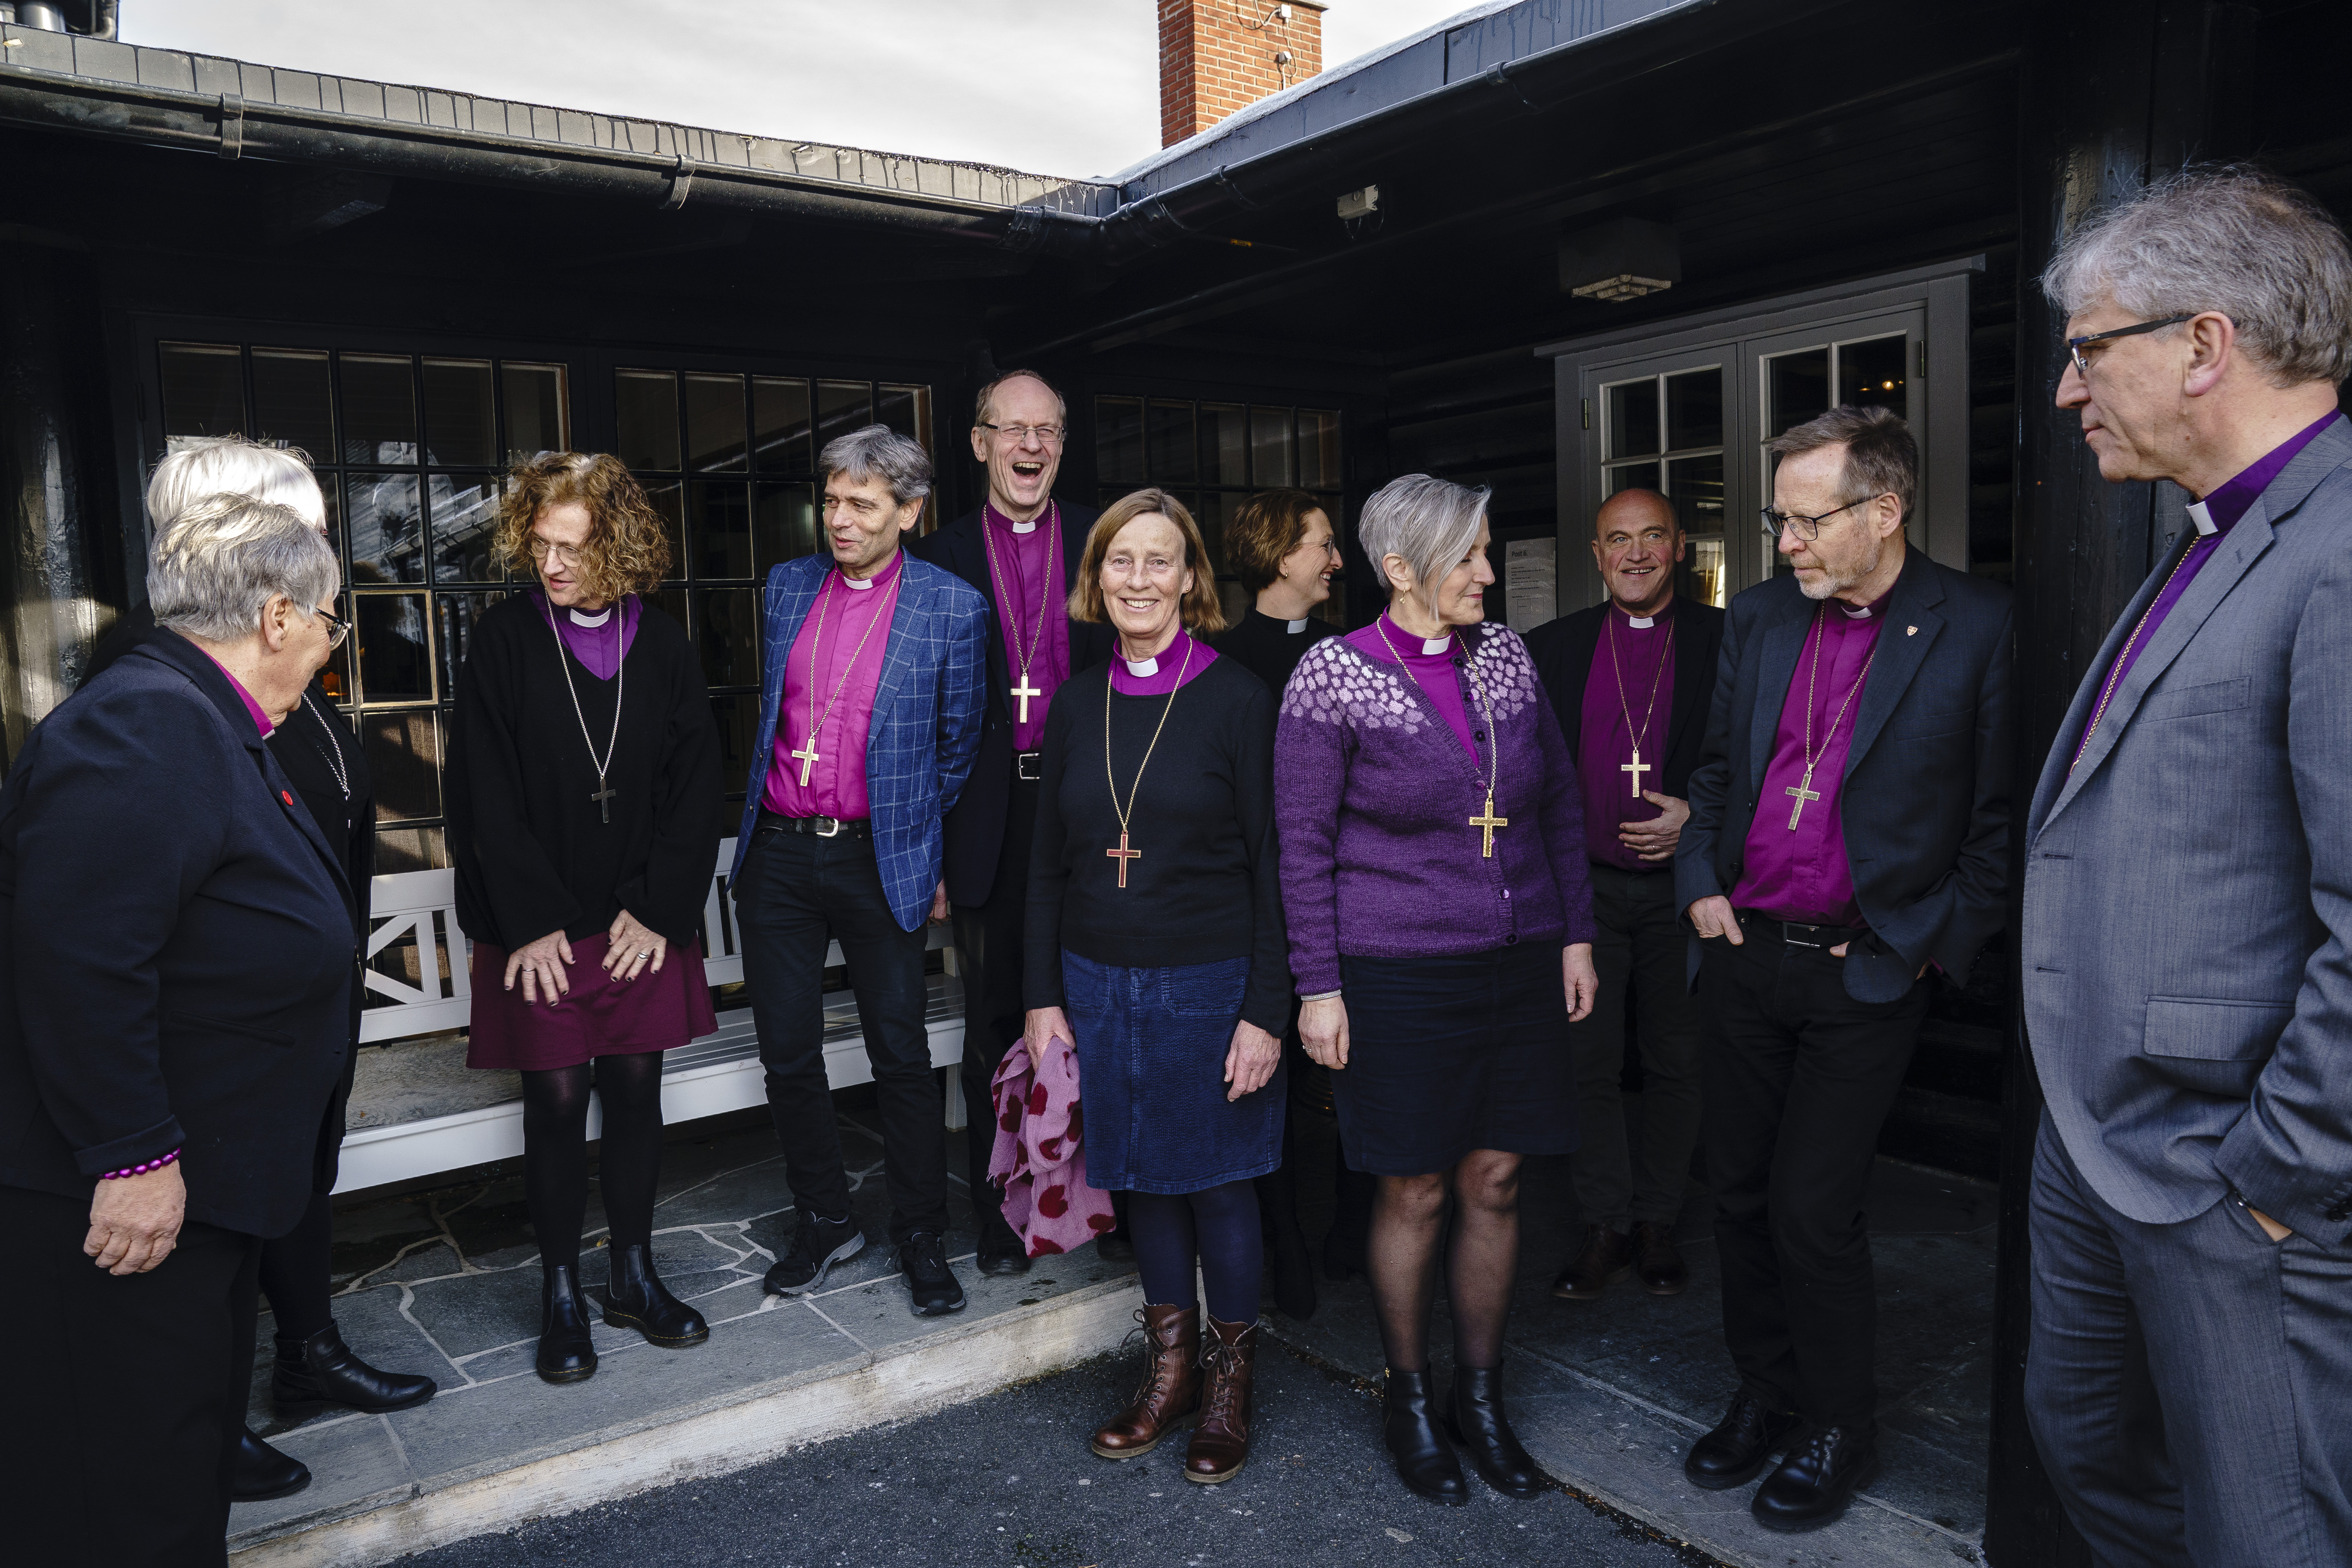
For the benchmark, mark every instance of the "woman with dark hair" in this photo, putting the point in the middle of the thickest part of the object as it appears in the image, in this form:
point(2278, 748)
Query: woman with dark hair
point(583, 797)
point(1155, 946)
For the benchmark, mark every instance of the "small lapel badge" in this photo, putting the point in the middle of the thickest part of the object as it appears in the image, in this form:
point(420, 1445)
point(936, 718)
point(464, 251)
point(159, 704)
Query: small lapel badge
point(1910, 631)
point(287, 795)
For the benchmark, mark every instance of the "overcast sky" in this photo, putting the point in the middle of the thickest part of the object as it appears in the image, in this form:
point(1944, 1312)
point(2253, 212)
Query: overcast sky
point(1057, 87)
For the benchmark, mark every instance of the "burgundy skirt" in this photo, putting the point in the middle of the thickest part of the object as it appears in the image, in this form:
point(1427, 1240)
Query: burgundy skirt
point(601, 1018)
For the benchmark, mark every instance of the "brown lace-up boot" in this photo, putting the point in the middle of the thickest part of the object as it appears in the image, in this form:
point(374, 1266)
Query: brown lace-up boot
point(1221, 1443)
point(1169, 1394)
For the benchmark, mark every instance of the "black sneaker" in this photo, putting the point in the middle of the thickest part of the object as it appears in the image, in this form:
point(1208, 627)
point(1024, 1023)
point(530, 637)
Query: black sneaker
point(930, 1281)
point(817, 1245)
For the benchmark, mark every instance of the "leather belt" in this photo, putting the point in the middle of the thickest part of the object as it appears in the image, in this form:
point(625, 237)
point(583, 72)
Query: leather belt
point(1029, 767)
point(1795, 933)
point(820, 826)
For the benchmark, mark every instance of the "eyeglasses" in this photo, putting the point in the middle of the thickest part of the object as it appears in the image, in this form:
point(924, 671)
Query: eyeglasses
point(541, 550)
point(1803, 527)
point(1018, 435)
point(338, 628)
point(2075, 346)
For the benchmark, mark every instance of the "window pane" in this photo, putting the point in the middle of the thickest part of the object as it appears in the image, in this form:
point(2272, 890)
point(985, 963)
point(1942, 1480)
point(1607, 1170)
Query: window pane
point(337, 674)
point(539, 411)
point(204, 389)
point(1318, 448)
point(718, 524)
point(404, 758)
point(1118, 441)
point(1694, 410)
point(668, 502)
point(644, 407)
point(737, 718)
point(458, 614)
point(729, 635)
point(780, 424)
point(783, 524)
point(379, 409)
point(1630, 418)
point(841, 407)
point(331, 490)
point(291, 401)
point(390, 634)
point(1706, 572)
point(1800, 389)
point(1631, 477)
point(409, 849)
point(1224, 445)
point(1695, 487)
point(1174, 452)
point(714, 421)
point(670, 602)
point(459, 427)
point(907, 410)
point(1213, 510)
point(465, 525)
point(1270, 462)
point(387, 528)
point(1873, 375)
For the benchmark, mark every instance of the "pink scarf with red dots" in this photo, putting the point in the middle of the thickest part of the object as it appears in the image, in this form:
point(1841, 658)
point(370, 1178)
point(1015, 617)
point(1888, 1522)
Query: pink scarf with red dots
point(1040, 1155)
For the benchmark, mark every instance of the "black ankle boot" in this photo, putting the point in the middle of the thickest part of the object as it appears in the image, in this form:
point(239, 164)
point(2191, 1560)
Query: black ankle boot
point(635, 1298)
point(260, 1472)
point(566, 1353)
point(1474, 1417)
point(1423, 1462)
point(314, 1373)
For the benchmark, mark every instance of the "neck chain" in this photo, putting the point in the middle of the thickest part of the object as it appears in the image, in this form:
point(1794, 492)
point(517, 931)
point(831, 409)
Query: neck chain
point(604, 792)
point(1485, 821)
point(808, 755)
point(1022, 690)
point(1637, 767)
point(1804, 789)
point(1123, 854)
point(334, 750)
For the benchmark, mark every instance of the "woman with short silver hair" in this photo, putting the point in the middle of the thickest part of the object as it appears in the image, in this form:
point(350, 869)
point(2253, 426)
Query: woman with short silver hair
point(177, 953)
point(1441, 934)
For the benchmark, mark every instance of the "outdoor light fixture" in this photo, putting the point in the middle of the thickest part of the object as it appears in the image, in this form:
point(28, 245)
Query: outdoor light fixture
point(1623, 258)
point(1360, 204)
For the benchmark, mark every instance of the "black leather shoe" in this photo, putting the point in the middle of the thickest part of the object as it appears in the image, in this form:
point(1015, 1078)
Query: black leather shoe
point(313, 1373)
point(1113, 1247)
point(260, 1472)
point(635, 1298)
point(1603, 1257)
point(1001, 1249)
point(1423, 1462)
point(1817, 1479)
point(931, 1282)
point(1474, 1417)
point(566, 1353)
point(1733, 1454)
point(817, 1245)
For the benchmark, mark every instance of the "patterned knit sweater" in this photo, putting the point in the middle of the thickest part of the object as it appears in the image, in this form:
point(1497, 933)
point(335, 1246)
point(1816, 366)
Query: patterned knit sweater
point(1372, 800)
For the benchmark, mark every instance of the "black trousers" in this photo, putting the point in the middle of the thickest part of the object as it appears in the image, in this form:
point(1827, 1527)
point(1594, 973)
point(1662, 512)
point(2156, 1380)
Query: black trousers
point(989, 954)
point(1798, 1078)
point(1640, 946)
point(127, 1395)
point(798, 892)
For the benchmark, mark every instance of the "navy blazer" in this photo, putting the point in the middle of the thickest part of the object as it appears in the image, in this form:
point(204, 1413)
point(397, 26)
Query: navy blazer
point(975, 834)
point(1564, 650)
point(176, 948)
point(1925, 801)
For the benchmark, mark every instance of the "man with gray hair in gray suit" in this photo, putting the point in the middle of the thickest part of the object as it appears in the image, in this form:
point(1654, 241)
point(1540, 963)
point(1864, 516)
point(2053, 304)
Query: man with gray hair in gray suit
point(2187, 941)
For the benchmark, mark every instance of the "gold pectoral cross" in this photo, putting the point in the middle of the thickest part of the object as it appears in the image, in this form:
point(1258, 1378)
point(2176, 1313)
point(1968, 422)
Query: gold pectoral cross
point(806, 757)
point(1637, 767)
point(1487, 821)
point(1803, 792)
point(1122, 854)
point(1025, 692)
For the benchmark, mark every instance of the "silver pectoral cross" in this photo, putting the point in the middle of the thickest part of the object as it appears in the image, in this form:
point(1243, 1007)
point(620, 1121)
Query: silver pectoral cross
point(806, 756)
point(604, 799)
point(1803, 792)
point(1637, 767)
point(1025, 692)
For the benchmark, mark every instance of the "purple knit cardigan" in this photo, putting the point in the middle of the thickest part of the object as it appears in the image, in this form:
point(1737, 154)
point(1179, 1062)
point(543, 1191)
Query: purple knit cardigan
point(1373, 795)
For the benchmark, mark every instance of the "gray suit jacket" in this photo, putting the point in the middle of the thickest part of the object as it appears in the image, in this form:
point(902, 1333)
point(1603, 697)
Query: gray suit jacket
point(2188, 988)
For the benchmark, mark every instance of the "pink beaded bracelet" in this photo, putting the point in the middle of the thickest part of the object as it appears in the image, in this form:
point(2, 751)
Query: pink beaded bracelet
point(141, 1169)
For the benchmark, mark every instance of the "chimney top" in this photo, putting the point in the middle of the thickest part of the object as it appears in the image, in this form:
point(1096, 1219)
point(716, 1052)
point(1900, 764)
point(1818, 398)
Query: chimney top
point(1220, 56)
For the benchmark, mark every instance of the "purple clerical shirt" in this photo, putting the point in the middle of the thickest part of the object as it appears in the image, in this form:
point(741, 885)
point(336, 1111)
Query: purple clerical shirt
point(1800, 873)
point(1432, 663)
point(1178, 665)
point(1633, 672)
point(600, 641)
point(848, 654)
point(260, 715)
point(1025, 566)
point(2215, 516)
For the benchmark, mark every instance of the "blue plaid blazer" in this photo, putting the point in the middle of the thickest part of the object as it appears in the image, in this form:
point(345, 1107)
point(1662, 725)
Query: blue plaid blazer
point(926, 717)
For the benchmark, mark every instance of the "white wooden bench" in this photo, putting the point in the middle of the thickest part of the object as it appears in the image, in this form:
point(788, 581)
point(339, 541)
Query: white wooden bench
point(413, 928)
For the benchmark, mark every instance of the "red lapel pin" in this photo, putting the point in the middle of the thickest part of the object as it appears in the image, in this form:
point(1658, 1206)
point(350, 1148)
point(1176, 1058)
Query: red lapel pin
point(287, 795)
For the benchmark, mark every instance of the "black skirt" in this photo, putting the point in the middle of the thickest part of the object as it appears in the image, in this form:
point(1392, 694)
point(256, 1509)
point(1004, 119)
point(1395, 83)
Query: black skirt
point(1448, 1054)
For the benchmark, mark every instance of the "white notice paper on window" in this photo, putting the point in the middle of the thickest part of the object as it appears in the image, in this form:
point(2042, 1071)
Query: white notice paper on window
point(1530, 583)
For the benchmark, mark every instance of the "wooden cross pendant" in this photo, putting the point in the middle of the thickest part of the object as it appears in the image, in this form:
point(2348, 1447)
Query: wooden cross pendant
point(1637, 767)
point(1122, 854)
point(1803, 792)
point(1487, 821)
point(806, 757)
point(604, 799)
point(1025, 692)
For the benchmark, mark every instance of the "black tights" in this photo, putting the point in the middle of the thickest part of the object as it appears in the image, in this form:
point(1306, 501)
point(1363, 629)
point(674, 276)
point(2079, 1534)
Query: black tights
point(1219, 1226)
point(295, 1272)
point(555, 1151)
point(1409, 1222)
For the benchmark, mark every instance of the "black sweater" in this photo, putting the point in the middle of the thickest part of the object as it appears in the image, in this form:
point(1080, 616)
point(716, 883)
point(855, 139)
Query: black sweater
point(1268, 648)
point(1207, 885)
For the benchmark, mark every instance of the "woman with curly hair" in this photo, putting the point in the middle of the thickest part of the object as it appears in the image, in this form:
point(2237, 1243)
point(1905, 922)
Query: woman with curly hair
point(583, 793)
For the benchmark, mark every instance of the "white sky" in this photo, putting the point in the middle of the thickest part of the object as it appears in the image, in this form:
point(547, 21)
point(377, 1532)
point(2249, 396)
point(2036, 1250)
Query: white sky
point(1056, 86)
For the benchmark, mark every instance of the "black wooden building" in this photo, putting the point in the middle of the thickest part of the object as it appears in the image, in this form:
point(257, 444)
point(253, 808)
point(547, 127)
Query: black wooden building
point(1558, 246)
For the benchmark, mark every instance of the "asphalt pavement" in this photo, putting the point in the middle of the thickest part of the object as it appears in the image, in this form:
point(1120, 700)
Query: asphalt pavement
point(1007, 1481)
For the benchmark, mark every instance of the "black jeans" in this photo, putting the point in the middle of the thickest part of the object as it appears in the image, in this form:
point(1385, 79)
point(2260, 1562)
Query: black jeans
point(1640, 945)
point(990, 956)
point(1798, 1078)
point(797, 892)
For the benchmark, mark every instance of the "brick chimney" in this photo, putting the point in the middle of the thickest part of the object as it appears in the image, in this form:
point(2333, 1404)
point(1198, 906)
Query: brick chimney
point(1218, 55)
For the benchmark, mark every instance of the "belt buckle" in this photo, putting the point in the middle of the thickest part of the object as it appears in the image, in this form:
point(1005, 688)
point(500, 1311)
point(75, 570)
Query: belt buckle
point(1788, 926)
point(832, 832)
point(1024, 761)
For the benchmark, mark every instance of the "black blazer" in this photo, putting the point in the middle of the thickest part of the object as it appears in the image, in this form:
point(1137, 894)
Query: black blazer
point(1925, 801)
point(1564, 650)
point(975, 828)
point(176, 948)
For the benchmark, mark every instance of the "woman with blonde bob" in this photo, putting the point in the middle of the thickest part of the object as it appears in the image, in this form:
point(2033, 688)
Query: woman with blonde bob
point(1155, 946)
point(583, 792)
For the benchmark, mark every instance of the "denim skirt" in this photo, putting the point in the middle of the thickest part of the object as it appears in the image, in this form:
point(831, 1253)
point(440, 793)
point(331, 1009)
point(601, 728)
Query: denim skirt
point(1151, 1077)
point(1447, 1055)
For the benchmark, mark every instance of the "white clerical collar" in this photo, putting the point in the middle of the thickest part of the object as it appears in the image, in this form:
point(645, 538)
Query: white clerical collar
point(2203, 518)
point(861, 584)
point(1861, 614)
point(1641, 623)
point(1142, 668)
point(598, 619)
point(1295, 627)
point(1433, 647)
point(1028, 527)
